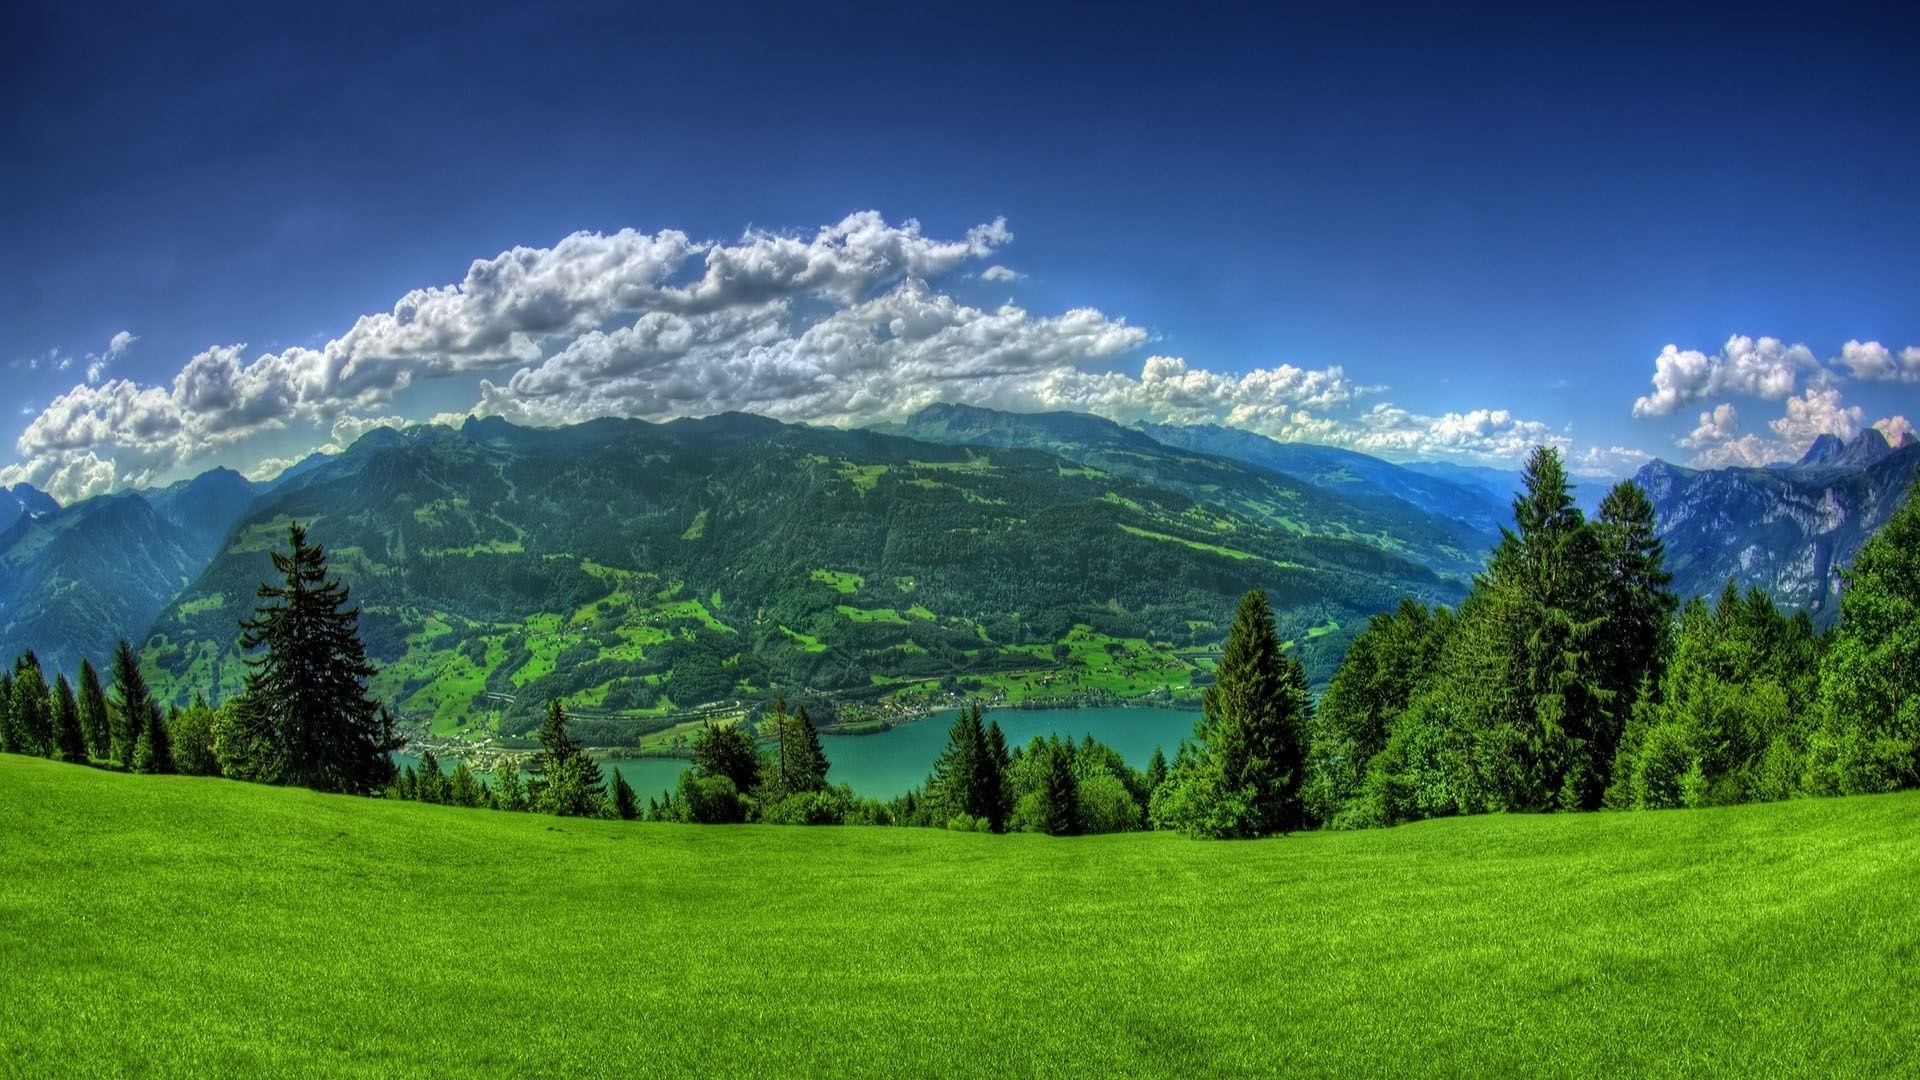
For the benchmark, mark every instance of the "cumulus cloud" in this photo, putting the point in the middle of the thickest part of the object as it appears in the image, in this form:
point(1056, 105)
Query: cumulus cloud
point(999, 273)
point(1814, 413)
point(1764, 368)
point(843, 326)
point(1873, 361)
point(1896, 429)
point(1598, 461)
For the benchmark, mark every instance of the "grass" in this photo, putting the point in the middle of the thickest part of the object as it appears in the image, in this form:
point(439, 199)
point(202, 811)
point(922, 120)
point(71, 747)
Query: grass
point(187, 926)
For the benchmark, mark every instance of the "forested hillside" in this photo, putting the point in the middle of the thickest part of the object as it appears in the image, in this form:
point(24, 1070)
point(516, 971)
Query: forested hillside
point(635, 569)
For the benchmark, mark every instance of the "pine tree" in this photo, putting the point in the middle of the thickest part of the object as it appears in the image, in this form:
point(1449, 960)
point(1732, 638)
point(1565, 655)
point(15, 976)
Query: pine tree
point(9, 740)
point(624, 802)
point(305, 709)
point(1156, 770)
point(507, 787)
point(570, 782)
point(68, 740)
point(31, 710)
point(966, 778)
point(727, 750)
point(1060, 796)
point(807, 759)
point(1638, 608)
point(1870, 676)
point(153, 750)
point(134, 709)
point(463, 790)
point(94, 720)
point(430, 784)
point(1242, 774)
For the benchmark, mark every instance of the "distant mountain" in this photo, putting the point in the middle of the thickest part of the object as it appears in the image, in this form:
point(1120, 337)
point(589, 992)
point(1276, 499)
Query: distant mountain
point(634, 568)
point(1787, 529)
point(74, 580)
point(21, 500)
point(1365, 514)
point(1503, 484)
point(1345, 472)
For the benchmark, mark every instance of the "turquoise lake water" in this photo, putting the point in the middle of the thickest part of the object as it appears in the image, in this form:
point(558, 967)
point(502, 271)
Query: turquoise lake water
point(887, 763)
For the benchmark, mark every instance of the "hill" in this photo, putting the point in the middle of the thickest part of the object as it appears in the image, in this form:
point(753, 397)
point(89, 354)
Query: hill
point(207, 927)
point(638, 570)
point(1787, 529)
point(76, 579)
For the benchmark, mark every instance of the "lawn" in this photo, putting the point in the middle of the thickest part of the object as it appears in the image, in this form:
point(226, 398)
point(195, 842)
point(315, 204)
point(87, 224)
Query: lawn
point(188, 926)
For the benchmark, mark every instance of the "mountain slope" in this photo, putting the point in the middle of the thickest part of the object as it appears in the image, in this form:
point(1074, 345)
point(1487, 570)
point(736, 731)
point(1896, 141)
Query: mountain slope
point(637, 568)
point(74, 581)
point(1344, 472)
point(1260, 491)
point(1788, 529)
point(22, 500)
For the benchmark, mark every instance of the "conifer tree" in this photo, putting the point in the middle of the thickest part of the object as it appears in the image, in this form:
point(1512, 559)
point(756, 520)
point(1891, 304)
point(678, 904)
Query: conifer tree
point(68, 740)
point(1638, 608)
point(1242, 774)
point(9, 742)
point(94, 720)
point(463, 790)
point(966, 777)
point(133, 705)
point(153, 750)
point(430, 784)
point(1060, 795)
point(507, 787)
point(1156, 770)
point(624, 803)
point(570, 782)
point(1870, 676)
point(727, 750)
point(31, 710)
point(305, 709)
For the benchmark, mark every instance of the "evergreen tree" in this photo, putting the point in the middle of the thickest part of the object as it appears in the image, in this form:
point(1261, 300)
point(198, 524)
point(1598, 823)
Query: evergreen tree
point(727, 750)
point(1638, 608)
point(68, 740)
point(1242, 774)
point(408, 786)
point(94, 720)
point(570, 781)
point(807, 758)
point(1385, 667)
point(430, 784)
point(31, 710)
point(305, 712)
point(624, 803)
point(9, 739)
point(1870, 679)
point(193, 740)
point(966, 776)
point(153, 750)
point(1060, 797)
point(507, 787)
point(1156, 770)
point(463, 789)
point(133, 707)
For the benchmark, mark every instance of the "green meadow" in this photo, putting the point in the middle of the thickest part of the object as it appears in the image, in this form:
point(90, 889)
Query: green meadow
point(185, 926)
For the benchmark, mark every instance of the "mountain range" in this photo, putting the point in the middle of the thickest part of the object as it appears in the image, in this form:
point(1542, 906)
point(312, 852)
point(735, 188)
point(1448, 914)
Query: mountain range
point(638, 570)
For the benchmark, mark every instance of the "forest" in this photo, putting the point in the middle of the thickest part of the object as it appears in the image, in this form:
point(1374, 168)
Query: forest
point(1568, 679)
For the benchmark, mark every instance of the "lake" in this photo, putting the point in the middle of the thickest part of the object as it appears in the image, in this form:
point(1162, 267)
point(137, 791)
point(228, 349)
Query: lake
point(887, 763)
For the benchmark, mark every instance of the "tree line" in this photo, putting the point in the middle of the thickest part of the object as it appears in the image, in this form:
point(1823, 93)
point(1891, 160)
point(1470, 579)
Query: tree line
point(1570, 678)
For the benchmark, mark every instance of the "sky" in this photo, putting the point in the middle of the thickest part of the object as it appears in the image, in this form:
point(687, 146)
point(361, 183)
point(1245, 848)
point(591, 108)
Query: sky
point(236, 235)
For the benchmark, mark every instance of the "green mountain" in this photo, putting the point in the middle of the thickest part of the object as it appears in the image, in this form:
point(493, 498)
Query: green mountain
point(1348, 473)
point(23, 500)
point(1366, 514)
point(639, 570)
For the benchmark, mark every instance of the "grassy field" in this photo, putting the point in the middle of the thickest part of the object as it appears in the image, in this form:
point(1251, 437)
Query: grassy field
point(186, 926)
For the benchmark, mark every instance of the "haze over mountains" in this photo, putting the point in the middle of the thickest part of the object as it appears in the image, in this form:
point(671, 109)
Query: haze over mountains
point(636, 567)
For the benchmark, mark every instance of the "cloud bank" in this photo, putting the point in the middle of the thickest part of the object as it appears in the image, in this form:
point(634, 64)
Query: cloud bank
point(848, 325)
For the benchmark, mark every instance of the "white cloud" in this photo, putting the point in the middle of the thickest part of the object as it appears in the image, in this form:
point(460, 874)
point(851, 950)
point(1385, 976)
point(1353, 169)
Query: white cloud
point(1595, 461)
point(1000, 273)
point(119, 343)
point(844, 326)
point(1814, 413)
point(1764, 368)
point(1873, 361)
point(1896, 429)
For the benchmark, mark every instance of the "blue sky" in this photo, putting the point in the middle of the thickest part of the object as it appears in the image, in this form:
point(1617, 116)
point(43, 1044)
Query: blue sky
point(1417, 233)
